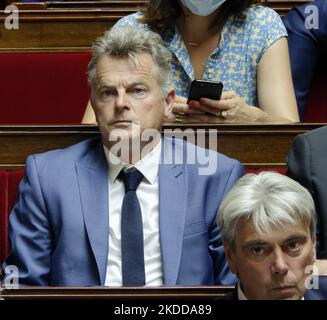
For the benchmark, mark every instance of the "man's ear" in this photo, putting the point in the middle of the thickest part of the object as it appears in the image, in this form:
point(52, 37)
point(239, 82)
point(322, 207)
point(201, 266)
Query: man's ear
point(169, 102)
point(231, 257)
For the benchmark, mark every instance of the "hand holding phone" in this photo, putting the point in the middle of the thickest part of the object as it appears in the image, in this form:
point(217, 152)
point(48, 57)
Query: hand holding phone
point(205, 89)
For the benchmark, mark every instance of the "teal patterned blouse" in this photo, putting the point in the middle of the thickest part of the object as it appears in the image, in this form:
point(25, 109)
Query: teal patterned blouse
point(235, 61)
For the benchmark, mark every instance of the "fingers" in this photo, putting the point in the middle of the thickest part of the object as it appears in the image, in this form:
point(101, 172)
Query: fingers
point(180, 99)
point(212, 108)
point(230, 101)
point(225, 108)
point(184, 108)
point(228, 95)
point(220, 104)
point(180, 107)
point(196, 118)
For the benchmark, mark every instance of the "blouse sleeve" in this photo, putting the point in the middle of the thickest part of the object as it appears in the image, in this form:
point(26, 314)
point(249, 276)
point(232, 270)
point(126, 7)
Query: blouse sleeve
point(131, 20)
point(266, 28)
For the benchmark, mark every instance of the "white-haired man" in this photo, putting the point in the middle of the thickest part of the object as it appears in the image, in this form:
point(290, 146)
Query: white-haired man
point(268, 228)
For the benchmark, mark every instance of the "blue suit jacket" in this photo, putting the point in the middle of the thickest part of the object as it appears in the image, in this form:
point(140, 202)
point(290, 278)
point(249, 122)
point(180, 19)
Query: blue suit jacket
point(319, 293)
point(305, 46)
point(59, 225)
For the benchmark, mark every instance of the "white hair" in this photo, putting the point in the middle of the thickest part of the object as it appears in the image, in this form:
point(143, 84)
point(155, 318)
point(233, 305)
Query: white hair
point(270, 199)
point(128, 41)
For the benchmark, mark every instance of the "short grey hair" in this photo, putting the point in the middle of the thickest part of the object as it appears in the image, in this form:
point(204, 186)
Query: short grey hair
point(128, 41)
point(270, 199)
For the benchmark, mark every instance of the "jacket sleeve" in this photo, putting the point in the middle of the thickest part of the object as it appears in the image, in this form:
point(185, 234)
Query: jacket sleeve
point(223, 276)
point(299, 169)
point(298, 162)
point(29, 231)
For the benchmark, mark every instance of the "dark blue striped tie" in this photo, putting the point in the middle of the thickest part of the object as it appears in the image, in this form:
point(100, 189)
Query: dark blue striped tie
point(132, 231)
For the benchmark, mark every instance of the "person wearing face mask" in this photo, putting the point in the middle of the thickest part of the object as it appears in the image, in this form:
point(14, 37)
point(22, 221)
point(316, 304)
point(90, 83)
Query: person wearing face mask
point(238, 42)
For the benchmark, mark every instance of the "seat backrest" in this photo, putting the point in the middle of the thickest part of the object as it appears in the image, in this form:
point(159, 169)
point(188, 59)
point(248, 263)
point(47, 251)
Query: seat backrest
point(316, 108)
point(9, 181)
point(281, 170)
point(43, 88)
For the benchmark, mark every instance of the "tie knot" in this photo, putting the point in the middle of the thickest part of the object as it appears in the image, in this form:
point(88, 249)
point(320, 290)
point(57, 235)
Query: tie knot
point(131, 179)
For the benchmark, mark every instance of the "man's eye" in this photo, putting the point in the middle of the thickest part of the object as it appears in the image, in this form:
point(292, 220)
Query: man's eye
point(293, 246)
point(139, 90)
point(257, 251)
point(107, 93)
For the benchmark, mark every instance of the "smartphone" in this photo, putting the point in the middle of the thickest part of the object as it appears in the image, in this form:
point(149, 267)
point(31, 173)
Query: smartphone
point(205, 89)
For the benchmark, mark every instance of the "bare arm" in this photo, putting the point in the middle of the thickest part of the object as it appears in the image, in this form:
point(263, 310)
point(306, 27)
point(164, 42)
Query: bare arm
point(275, 86)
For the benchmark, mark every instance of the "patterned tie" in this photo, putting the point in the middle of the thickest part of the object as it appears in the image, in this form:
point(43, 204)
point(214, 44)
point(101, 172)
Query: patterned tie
point(132, 231)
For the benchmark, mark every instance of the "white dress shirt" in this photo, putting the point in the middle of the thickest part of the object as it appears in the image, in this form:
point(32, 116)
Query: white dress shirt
point(148, 196)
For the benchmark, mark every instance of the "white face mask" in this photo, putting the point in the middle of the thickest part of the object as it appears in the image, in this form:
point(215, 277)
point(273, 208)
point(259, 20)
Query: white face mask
point(202, 7)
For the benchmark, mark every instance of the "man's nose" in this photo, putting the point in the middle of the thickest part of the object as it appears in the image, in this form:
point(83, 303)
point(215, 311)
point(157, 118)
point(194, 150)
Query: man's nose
point(121, 101)
point(279, 264)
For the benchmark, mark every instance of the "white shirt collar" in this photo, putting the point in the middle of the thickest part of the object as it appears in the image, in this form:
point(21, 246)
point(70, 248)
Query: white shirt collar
point(148, 165)
point(240, 293)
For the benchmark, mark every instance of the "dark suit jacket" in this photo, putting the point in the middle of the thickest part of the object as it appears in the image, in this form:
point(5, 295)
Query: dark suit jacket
point(305, 45)
point(307, 164)
point(312, 294)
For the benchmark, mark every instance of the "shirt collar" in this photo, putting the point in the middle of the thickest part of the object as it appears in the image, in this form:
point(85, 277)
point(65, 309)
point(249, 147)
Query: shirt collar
point(240, 293)
point(148, 165)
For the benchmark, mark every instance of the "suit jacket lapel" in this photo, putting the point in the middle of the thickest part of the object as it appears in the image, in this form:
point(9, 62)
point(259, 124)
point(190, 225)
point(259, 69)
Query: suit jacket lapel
point(172, 212)
point(92, 174)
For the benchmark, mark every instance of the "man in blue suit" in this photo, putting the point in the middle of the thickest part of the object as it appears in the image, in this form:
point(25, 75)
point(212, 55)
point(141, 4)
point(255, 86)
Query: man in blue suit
point(69, 224)
point(307, 39)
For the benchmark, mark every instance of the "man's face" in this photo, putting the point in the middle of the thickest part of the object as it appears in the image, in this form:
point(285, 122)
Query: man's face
point(271, 265)
point(126, 95)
